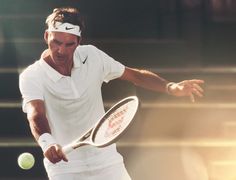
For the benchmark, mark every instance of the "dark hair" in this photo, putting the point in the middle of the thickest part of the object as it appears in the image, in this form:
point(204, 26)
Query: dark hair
point(66, 14)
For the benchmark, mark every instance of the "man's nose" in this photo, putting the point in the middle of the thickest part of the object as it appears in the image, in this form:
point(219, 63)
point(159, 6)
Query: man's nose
point(61, 50)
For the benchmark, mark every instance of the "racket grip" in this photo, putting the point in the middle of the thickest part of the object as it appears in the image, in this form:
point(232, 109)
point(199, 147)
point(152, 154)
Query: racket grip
point(67, 149)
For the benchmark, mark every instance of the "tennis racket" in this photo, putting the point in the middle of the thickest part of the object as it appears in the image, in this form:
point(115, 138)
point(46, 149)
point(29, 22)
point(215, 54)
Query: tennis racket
point(109, 128)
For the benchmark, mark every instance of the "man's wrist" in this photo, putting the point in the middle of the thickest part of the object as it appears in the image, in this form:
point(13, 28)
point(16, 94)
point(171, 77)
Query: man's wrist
point(168, 87)
point(45, 141)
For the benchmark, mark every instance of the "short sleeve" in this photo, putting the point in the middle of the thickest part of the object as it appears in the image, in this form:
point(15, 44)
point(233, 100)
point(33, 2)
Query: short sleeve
point(112, 69)
point(30, 87)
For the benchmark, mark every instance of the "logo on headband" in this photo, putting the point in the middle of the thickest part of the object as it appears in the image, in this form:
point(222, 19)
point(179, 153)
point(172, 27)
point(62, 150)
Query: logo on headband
point(65, 27)
point(69, 28)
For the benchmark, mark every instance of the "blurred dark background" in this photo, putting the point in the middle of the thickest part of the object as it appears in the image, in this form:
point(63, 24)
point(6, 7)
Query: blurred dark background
point(149, 33)
point(179, 39)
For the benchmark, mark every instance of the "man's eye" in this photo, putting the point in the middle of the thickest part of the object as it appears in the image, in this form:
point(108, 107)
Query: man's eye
point(57, 42)
point(70, 44)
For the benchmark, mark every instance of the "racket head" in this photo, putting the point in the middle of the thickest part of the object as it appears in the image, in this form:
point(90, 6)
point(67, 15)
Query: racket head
point(116, 120)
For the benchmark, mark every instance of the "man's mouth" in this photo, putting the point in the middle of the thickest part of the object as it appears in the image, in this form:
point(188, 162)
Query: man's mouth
point(60, 57)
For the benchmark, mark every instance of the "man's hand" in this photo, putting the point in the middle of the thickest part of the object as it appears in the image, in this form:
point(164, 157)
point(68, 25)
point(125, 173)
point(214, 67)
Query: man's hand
point(55, 154)
point(187, 88)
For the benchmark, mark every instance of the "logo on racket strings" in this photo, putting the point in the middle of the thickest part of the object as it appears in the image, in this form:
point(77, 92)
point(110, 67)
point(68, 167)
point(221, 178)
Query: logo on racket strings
point(115, 122)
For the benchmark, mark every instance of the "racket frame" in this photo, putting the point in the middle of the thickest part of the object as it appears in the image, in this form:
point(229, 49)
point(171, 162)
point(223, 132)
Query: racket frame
point(91, 133)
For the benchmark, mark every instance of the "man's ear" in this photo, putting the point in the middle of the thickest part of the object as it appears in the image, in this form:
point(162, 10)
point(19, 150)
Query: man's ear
point(46, 37)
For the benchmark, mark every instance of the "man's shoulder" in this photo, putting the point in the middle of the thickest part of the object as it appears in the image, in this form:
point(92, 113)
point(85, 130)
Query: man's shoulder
point(84, 52)
point(32, 70)
point(87, 48)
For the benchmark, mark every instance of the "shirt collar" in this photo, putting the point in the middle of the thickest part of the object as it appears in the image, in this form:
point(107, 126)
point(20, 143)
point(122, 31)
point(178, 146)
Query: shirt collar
point(52, 73)
point(78, 57)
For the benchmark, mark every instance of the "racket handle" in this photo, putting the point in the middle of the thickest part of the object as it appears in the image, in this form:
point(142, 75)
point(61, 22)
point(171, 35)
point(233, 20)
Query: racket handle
point(67, 149)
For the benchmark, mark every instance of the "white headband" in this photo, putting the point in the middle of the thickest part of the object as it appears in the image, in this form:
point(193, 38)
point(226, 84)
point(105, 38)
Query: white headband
point(65, 27)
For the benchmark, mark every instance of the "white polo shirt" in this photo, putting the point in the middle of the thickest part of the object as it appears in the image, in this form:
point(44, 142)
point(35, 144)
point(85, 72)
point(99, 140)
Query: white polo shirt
point(73, 104)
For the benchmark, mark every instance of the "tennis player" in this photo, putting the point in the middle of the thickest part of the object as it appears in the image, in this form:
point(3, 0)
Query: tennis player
point(62, 98)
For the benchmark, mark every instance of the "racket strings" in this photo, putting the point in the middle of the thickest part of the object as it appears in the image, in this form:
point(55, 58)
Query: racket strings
point(114, 128)
point(116, 118)
point(116, 122)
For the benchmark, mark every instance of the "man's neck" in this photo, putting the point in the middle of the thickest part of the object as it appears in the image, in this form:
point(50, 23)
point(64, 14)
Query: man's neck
point(64, 69)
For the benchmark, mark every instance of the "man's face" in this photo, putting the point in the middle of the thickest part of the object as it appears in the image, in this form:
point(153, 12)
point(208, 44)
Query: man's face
point(61, 46)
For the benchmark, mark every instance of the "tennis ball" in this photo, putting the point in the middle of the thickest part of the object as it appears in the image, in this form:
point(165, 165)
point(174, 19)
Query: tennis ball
point(26, 160)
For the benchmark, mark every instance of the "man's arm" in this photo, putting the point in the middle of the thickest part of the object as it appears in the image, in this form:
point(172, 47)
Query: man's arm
point(37, 118)
point(145, 79)
point(39, 127)
point(152, 81)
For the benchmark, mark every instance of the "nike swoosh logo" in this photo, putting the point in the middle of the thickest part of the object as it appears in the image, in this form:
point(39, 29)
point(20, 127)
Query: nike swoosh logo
point(68, 28)
point(85, 60)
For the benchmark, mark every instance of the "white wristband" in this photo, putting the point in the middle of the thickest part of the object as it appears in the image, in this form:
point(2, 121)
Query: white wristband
point(45, 141)
point(168, 87)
